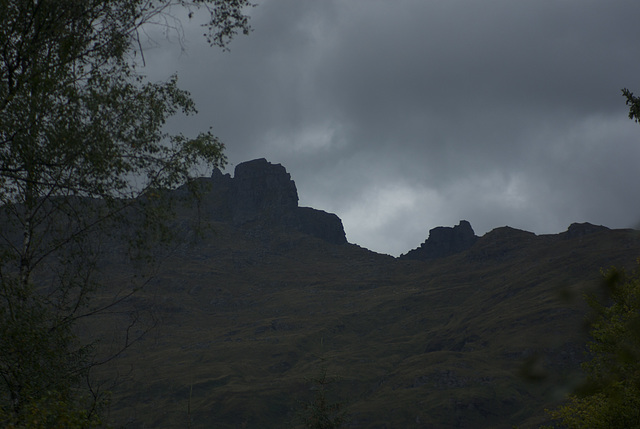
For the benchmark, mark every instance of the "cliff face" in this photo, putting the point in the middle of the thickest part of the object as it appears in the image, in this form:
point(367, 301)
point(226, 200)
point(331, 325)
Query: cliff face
point(444, 241)
point(264, 191)
point(262, 195)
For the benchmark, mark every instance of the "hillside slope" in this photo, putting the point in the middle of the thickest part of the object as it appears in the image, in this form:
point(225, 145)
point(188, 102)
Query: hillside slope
point(247, 313)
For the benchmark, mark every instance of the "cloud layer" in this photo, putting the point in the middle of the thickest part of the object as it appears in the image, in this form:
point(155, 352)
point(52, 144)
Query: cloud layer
point(403, 116)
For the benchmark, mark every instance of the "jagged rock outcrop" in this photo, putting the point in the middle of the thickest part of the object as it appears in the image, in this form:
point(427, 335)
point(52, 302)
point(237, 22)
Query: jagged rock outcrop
point(321, 224)
point(444, 241)
point(581, 229)
point(500, 243)
point(263, 191)
point(261, 194)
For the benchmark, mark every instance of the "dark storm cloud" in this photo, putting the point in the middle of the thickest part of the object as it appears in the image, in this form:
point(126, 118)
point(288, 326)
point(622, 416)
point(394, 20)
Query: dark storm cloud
point(402, 116)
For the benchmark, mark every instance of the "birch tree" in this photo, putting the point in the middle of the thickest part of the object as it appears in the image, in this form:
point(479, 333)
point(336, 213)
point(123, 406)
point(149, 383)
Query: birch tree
point(83, 150)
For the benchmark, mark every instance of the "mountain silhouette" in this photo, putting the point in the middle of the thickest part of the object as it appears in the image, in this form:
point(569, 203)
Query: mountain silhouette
point(462, 332)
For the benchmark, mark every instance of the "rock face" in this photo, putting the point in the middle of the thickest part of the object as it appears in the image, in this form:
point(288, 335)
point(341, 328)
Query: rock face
point(262, 195)
point(264, 191)
point(444, 241)
point(321, 224)
point(581, 229)
point(500, 244)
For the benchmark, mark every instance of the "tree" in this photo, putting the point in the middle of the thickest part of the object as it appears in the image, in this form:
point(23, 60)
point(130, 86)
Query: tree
point(634, 104)
point(82, 148)
point(610, 398)
point(321, 412)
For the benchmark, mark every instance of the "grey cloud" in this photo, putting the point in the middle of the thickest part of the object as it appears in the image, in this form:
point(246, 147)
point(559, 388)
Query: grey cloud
point(425, 113)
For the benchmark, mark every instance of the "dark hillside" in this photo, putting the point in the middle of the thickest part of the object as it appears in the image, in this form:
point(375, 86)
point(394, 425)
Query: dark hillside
point(486, 336)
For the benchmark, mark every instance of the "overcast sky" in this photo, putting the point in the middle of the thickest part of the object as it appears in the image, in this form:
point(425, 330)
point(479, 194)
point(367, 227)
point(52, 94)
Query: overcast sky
point(400, 116)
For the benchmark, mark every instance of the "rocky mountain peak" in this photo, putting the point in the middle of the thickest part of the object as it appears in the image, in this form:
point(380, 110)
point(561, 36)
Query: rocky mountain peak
point(263, 195)
point(582, 229)
point(264, 191)
point(444, 241)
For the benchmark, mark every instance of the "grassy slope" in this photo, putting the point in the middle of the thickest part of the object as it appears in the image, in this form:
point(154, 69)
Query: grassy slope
point(485, 338)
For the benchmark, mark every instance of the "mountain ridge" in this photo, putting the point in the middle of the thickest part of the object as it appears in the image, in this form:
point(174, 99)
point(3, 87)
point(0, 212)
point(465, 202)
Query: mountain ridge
point(262, 194)
point(482, 336)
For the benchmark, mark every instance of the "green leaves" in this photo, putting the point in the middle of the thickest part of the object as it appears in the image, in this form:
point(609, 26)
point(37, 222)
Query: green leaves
point(226, 19)
point(82, 147)
point(611, 395)
point(321, 413)
point(634, 104)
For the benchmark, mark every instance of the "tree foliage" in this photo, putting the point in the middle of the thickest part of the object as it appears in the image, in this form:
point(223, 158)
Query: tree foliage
point(611, 396)
point(82, 148)
point(634, 104)
point(321, 412)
